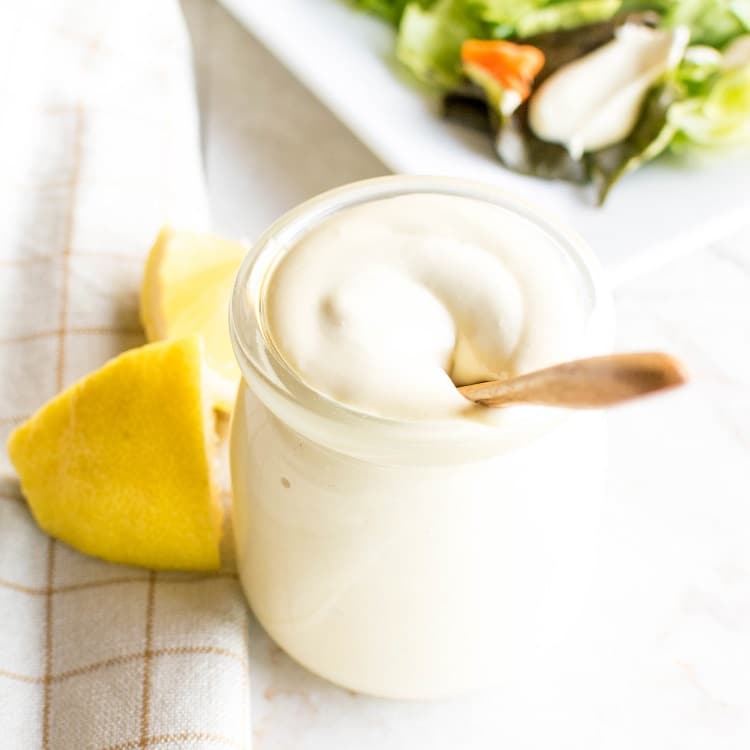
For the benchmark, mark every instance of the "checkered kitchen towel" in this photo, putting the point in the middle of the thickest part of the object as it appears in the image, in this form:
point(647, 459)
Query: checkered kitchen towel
point(98, 147)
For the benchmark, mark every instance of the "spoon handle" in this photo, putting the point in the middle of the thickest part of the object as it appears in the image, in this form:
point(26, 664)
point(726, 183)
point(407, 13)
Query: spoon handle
point(583, 383)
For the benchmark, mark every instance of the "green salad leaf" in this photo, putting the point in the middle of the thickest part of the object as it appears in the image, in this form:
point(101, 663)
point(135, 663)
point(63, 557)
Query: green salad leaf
point(390, 10)
point(717, 116)
point(431, 31)
point(429, 40)
point(711, 22)
point(523, 18)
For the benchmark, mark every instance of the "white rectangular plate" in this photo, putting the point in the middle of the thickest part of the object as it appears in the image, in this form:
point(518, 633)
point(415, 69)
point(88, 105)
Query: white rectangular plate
point(346, 59)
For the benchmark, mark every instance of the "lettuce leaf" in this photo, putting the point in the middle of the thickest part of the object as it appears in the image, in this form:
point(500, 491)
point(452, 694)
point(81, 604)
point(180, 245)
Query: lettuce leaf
point(429, 40)
point(523, 18)
point(431, 31)
point(719, 116)
point(390, 10)
point(711, 22)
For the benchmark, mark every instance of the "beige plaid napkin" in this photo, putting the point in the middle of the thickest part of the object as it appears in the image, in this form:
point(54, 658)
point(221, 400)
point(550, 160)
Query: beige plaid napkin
point(98, 148)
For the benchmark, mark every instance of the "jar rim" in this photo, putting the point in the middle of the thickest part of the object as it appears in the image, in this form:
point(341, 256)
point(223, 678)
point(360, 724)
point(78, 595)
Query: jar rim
point(256, 354)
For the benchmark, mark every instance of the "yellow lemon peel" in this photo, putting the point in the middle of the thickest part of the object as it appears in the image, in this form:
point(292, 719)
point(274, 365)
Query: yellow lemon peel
point(186, 289)
point(119, 464)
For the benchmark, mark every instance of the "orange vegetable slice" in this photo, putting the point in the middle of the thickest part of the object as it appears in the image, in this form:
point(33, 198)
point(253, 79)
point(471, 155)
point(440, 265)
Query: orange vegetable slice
point(514, 66)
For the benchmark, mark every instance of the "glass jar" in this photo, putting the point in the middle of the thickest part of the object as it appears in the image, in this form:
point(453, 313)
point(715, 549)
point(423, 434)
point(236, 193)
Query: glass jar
point(409, 559)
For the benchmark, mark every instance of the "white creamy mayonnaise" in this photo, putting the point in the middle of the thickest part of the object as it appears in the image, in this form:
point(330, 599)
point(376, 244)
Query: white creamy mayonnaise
point(387, 306)
point(595, 101)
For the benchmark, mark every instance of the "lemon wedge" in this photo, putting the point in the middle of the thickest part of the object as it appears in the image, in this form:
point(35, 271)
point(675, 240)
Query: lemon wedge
point(186, 289)
point(119, 464)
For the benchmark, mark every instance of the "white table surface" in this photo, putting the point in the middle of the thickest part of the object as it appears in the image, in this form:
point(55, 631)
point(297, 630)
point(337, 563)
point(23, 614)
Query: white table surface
point(662, 658)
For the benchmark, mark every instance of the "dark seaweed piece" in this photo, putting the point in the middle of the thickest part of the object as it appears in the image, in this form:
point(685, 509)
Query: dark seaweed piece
point(650, 137)
point(565, 46)
point(520, 150)
point(470, 111)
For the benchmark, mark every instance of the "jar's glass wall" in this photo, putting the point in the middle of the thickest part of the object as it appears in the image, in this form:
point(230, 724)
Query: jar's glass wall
point(409, 560)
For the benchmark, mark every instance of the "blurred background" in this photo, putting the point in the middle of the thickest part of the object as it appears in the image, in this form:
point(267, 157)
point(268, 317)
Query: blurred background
point(267, 142)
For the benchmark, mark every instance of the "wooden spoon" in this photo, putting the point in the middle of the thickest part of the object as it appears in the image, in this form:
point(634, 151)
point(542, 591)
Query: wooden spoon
point(583, 383)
